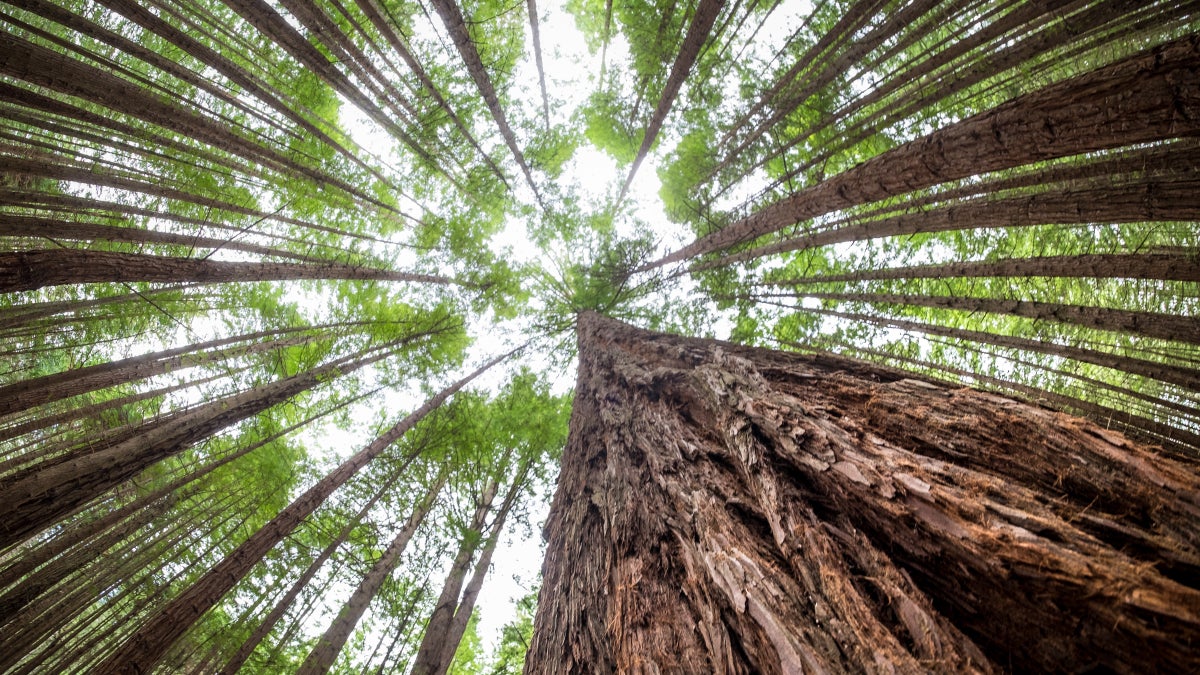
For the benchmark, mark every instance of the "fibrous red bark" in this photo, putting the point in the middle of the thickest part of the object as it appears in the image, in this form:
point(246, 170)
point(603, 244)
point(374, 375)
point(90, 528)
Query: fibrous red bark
point(732, 510)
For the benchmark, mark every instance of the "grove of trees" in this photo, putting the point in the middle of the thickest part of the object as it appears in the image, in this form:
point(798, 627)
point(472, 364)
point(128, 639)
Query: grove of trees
point(882, 318)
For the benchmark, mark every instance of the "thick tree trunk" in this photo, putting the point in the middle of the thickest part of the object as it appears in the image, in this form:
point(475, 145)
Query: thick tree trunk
point(734, 510)
point(30, 270)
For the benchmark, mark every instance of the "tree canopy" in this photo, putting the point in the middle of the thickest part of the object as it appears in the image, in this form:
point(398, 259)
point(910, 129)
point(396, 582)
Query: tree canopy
point(291, 287)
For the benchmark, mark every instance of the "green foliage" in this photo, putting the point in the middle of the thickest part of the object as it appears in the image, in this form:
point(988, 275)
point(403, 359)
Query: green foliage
point(515, 638)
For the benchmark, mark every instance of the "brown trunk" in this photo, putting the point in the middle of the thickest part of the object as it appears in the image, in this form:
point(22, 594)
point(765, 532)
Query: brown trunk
point(36, 391)
point(456, 26)
point(267, 623)
point(429, 654)
point(1181, 376)
point(466, 605)
point(1148, 324)
point(697, 33)
point(326, 651)
point(39, 498)
point(44, 67)
point(1161, 266)
point(1163, 197)
point(147, 646)
point(927, 83)
point(30, 270)
point(59, 229)
point(1149, 97)
point(741, 510)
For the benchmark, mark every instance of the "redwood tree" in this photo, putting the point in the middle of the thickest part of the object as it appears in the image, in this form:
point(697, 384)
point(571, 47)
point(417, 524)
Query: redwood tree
point(742, 510)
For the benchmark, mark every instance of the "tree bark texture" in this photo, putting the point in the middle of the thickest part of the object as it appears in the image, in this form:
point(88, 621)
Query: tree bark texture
point(723, 509)
point(31, 270)
point(148, 645)
point(1145, 98)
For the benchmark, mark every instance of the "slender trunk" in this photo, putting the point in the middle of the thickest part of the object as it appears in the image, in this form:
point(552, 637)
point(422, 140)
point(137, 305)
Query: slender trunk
point(37, 391)
point(375, 13)
point(1181, 376)
point(780, 513)
point(1147, 324)
point(466, 606)
point(531, 6)
point(1149, 97)
point(147, 646)
point(326, 651)
point(697, 33)
point(39, 498)
point(58, 229)
point(1165, 197)
point(43, 67)
point(30, 270)
point(1158, 266)
point(456, 25)
point(264, 627)
point(428, 660)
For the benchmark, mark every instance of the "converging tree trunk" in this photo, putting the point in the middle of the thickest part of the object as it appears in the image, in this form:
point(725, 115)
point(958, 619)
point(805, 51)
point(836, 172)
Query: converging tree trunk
point(737, 510)
point(144, 649)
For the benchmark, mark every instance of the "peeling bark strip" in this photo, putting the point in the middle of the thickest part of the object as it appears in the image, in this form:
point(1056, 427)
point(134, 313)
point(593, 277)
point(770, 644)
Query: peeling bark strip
point(741, 510)
point(1148, 97)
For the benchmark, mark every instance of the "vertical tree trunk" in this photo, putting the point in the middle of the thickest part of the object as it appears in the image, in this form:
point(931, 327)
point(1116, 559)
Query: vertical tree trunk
point(30, 270)
point(144, 649)
point(429, 654)
point(326, 651)
point(741, 510)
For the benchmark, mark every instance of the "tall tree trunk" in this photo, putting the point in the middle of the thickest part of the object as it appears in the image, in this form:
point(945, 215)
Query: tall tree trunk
point(147, 646)
point(741, 510)
point(456, 25)
point(1148, 324)
point(30, 270)
point(1164, 266)
point(35, 499)
point(429, 654)
point(1148, 97)
point(267, 623)
point(697, 32)
point(326, 651)
point(466, 605)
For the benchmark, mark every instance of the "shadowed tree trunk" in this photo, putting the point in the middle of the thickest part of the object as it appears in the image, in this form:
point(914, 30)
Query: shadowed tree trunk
point(1147, 97)
point(741, 510)
point(144, 649)
point(30, 270)
point(326, 651)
